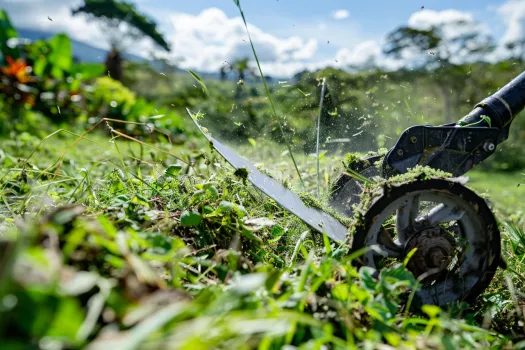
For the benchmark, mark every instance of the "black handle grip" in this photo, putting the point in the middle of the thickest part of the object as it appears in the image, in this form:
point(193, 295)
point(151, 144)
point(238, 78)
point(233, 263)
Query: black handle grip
point(502, 107)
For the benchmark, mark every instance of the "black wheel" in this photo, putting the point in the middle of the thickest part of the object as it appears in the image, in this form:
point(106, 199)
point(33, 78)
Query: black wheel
point(454, 232)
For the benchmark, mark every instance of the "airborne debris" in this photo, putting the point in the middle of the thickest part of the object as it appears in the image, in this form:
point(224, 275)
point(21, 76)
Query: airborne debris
point(242, 173)
point(304, 93)
point(199, 80)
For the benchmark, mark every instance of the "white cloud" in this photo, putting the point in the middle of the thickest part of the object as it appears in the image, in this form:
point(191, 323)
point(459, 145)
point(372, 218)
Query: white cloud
point(307, 51)
point(210, 38)
point(286, 69)
point(362, 54)
point(513, 15)
point(426, 19)
point(341, 14)
point(34, 15)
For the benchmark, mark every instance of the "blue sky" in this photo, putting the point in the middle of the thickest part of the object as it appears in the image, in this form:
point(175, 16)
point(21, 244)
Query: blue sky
point(290, 35)
point(374, 16)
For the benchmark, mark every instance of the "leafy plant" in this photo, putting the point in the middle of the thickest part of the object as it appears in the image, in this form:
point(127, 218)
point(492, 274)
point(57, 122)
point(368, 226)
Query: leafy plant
point(7, 32)
point(517, 239)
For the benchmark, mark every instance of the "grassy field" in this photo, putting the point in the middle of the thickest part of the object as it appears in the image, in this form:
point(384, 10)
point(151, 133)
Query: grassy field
point(150, 252)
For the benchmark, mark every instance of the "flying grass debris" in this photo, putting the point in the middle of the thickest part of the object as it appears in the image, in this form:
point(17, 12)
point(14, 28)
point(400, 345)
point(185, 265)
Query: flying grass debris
point(199, 80)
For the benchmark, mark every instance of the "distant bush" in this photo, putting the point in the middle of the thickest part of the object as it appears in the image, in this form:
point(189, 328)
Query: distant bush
point(109, 98)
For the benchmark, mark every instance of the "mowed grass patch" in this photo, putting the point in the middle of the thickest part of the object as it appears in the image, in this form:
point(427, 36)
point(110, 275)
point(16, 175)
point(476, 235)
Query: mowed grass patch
point(503, 189)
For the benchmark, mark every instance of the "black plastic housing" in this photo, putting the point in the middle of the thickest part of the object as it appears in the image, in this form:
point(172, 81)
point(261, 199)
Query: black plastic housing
point(457, 148)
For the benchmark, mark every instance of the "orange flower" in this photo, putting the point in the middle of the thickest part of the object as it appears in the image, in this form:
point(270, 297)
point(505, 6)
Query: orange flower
point(17, 69)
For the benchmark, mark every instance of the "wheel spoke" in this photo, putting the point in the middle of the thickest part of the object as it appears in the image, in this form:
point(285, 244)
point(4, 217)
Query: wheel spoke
point(406, 217)
point(388, 246)
point(442, 214)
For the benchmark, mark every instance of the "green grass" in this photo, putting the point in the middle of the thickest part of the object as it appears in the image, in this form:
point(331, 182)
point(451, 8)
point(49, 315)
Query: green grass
point(501, 187)
point(163, 254)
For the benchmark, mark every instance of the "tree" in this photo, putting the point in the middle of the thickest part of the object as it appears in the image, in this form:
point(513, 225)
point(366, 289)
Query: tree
point(453, 42)
point(444, 50)
point(517, 49)
point(407, 42)
point(121, 21)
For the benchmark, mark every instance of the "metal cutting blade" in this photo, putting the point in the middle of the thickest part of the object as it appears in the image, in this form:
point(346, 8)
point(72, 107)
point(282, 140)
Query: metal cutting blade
point(315, 218)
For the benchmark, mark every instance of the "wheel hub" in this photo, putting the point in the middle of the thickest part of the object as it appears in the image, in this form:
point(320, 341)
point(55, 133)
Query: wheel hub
point(435, 249)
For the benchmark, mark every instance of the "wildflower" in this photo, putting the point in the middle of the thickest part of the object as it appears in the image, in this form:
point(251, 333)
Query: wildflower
point(17, 69)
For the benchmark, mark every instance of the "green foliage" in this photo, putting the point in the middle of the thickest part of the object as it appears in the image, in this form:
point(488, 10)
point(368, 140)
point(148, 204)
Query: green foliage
point(51, 58)
point(516, 239)
point(60, 55)
point(7, 31)
point(190, 218)
point(87, 71)
point(111, 95)
point(47, 82)
point(108, 98)
point(43, 81)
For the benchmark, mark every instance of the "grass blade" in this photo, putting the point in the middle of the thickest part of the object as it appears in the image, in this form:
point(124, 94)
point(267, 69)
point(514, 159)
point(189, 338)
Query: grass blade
point(323, 90)
point(199, 80)
point(267, 89)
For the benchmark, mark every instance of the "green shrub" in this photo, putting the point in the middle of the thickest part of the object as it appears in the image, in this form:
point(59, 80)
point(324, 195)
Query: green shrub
point(108, 98)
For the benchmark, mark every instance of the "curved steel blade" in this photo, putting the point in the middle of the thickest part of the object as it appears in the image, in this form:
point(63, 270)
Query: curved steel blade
point(316, 219)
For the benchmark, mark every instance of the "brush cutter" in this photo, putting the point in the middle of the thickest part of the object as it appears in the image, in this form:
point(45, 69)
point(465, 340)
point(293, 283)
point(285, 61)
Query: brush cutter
point(447, 232)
